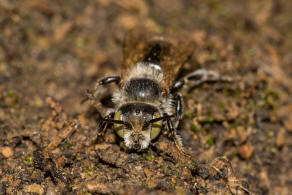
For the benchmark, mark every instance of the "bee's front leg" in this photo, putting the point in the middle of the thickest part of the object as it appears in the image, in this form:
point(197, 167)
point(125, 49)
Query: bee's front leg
point(108, 80)
point(103, 125)
point(92, 95)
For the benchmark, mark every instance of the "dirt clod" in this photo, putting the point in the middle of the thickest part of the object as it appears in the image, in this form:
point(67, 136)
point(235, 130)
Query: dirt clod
point(245, 151)
point(288, 124)
point(280, 141)
point(97, 187)
point(6, 151)
point(34, 188)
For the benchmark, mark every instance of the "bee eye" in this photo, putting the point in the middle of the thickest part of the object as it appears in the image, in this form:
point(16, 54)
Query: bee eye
point(156, 126)
point(119, 128)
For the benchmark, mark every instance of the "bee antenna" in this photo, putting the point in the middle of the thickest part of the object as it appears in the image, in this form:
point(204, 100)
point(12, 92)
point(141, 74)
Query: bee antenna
point(146, 124)
point(117, 122)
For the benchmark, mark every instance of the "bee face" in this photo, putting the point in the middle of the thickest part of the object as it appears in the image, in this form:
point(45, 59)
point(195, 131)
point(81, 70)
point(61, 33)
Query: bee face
point(139, 130)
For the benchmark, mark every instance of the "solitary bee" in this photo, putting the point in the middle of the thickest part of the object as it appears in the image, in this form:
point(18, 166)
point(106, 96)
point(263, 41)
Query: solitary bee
point(148, 99)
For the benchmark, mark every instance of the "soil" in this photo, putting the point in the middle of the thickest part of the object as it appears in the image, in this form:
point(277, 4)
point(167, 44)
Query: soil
point(52, 51)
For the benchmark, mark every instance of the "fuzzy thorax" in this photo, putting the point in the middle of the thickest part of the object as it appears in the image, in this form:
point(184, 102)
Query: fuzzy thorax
point(147, 70)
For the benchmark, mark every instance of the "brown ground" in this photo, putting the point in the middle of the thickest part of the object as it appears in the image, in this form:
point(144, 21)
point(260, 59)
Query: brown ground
point(52, 51)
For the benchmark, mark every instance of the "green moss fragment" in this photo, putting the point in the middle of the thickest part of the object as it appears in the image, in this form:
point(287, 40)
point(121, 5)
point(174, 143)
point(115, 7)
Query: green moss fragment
point(251, 52)
point(251, 104)
point(193, 127)
point(160, 29)
point(211, 141)
point(172, 185)
point(209, 120)
point(68, 145)
point(226, 92)
point(94, 168)
point(16, 106)
point(222, 106)
point(232, 126)
point(147, 157)
point(187, 115)
point(273, 150)
point(29, 160)
point(177, 165)
point(237, 92)
point(214, 57)
point(10, 93)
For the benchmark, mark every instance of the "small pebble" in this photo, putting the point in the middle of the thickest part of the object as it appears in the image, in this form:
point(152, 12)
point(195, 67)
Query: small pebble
point(147, 172)
point(34, 188)
point(246, 151)
point(280, 138)
point(51, 191)
point(6, 151)
point(241, 134)
point(97, 187)
point(288, 124)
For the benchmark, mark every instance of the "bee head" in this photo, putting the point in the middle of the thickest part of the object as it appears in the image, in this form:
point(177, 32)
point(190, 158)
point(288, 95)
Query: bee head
point(141, 124)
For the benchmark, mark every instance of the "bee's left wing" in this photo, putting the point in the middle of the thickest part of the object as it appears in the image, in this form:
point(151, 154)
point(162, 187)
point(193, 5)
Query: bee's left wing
point(169, 52)
point(174, 53)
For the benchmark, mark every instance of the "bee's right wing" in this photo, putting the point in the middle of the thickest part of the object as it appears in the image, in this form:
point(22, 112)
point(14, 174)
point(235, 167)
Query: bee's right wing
point(135, 43)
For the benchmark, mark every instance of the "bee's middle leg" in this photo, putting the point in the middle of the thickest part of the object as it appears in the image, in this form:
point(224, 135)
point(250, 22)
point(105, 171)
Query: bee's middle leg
point(175, 136)
point(178, 104)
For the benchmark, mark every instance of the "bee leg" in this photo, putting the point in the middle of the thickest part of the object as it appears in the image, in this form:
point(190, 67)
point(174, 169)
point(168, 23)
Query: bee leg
point(178, 101)
point(198, 77)
point(177, 86)
point(97, 93)
point(91, 95)
point(108, 80)
point(176, 138)
point(103, 125)
point(87, 96)
point(202, 75)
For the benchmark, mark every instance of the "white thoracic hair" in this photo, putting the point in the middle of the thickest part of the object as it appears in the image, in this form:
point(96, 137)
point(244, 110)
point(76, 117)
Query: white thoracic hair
point(147, 70)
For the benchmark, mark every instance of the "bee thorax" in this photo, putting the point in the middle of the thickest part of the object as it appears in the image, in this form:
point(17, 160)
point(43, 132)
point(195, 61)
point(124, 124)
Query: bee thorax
point(147, 70)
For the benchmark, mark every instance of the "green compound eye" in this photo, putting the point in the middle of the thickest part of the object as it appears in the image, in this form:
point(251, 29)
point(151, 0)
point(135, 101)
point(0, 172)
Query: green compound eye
point(156, 127)
point(119, 128)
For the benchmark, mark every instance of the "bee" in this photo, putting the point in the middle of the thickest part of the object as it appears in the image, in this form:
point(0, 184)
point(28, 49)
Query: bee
point(148, 100)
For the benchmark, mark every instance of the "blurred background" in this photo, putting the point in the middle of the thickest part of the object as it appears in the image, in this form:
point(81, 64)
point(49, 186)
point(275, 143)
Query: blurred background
point(58, 49)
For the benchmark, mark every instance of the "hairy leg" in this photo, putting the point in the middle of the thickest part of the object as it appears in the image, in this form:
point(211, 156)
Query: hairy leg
point(178, 104)
point(175, 137)
point(108, 80)
point(98, 93)
point(198, 77)
point(103, 124)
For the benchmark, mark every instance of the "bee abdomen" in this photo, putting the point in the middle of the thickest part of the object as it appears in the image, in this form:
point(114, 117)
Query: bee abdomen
point(153, 56)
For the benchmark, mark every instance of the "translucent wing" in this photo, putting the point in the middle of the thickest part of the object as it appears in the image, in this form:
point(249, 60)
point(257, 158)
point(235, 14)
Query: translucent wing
point(168, 52)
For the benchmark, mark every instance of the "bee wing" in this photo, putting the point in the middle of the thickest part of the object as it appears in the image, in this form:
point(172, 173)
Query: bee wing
point(140, 45)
